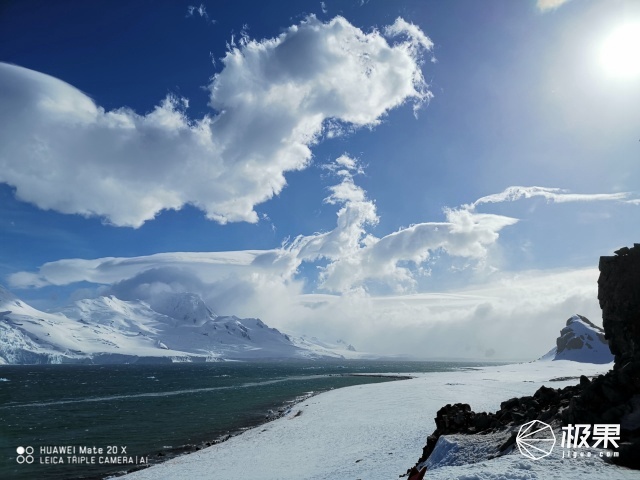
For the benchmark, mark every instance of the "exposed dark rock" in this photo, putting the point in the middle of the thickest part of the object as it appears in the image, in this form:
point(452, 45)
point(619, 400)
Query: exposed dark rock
point(545, 405)
point(619, 296)
point(611, 398)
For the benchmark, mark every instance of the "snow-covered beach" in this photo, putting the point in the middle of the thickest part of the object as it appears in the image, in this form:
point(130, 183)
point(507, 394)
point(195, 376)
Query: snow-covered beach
point(377, 431)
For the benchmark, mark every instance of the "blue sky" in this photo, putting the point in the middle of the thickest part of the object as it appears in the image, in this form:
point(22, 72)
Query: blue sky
point(413, 176)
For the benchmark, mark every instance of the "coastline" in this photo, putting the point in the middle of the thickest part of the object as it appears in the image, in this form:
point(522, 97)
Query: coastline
point(187, 449)
point(373, 431)
point(271, 415)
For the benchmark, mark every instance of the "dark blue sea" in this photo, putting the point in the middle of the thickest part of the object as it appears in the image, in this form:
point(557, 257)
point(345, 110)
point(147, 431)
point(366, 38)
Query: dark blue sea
point(149, 413)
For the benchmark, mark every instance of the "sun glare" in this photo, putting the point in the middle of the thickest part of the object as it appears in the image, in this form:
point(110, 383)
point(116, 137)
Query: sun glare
point(620, 52)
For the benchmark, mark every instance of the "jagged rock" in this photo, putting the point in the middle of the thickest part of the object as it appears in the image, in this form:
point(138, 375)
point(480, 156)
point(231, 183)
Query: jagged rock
point(454, 418)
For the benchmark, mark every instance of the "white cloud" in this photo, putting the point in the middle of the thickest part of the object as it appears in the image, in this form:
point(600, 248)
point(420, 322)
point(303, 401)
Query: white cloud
point(418, 40)
point(517, 315)
point(272, 101)
point(355, 257)
point(354, 260)
point(464, 234)
point(556, 195)
point(200, 10)
point(355, 214)
point(546, 5)
point(207, 266)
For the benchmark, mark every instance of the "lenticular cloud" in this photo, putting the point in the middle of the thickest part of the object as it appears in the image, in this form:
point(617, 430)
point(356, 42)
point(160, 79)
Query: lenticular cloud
point(271, 102)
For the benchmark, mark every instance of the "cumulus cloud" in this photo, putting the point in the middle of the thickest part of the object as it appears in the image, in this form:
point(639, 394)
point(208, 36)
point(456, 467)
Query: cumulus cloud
point(271, 102)
point(358, 257)
point(464, 234)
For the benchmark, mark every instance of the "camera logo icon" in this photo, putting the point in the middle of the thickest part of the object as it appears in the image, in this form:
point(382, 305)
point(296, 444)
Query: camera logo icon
point(535, 440)
point(25, 454)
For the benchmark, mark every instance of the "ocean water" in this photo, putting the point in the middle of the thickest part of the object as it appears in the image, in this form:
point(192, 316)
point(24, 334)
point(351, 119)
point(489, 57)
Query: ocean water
point(152, 412)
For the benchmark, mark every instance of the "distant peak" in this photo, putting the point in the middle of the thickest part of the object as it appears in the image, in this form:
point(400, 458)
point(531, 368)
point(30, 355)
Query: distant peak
point(186, 306)
point(579, 318)
point(581, 341)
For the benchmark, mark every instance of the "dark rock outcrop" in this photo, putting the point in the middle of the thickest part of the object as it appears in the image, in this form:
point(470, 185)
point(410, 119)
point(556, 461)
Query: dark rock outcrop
point(619, 296)
point(613, 398)
point(545, 405)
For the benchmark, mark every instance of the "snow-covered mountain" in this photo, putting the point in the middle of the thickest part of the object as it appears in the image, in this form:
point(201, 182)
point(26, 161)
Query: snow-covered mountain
point(177, 327)
point(580, 341)
point(187, 307)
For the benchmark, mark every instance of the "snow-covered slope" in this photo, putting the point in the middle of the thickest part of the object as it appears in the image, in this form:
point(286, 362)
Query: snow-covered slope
point(187, 307)
point(580, 341)
point(179, 327)
point(339, 349)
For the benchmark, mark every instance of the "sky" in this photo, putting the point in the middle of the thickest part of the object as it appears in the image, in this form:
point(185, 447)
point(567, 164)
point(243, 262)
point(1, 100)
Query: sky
point(435, 179)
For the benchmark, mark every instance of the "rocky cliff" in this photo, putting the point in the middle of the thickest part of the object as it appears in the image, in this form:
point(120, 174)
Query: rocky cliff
point(615, 397)
point(619, 296)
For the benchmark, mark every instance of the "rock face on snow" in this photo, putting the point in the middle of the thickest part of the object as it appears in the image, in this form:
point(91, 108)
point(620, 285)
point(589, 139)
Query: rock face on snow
point(581, 341)
point(619, 296)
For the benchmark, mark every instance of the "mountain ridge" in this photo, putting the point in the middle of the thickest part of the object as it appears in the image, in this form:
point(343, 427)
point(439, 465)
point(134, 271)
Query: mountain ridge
point(107, 329)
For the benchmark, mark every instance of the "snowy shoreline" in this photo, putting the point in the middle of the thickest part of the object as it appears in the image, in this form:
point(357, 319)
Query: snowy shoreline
point(271, 415)
point(377, 431)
